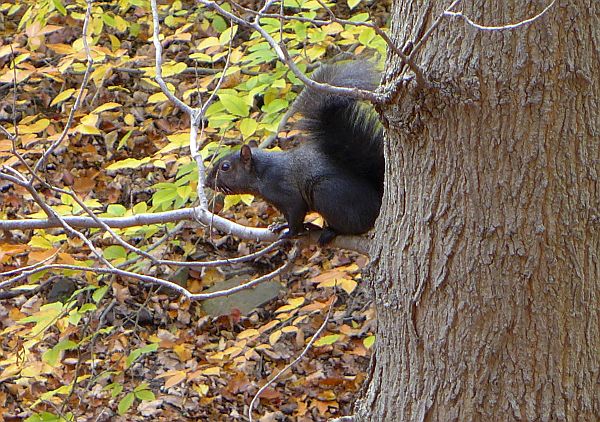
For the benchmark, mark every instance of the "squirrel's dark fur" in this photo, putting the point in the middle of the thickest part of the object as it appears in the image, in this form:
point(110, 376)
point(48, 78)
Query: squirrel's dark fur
point(337, 172)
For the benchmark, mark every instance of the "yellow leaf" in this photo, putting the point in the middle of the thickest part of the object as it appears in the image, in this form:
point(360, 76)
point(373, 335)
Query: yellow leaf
point(263, 346)
point(213, 370)
point(369, 341)
point(201, 389)
point(348, 285)
point(100, 73)
point(251, 332)
point(32, 370)
point(274, 337)
point(65, 95)
point(104, 107)
point(87, 130)
point(183, 352)
point(292, 304)
point(332, 28)
point(89, 120)
point(289, 329)
point(9, 372)
point(37, 127)
point(299, 319)
point(173, 69)
point(62, 49)
point(269, 325)
point(247, 198)
point(157, 98)
point(129, 119)
point(8, 77)
point(233, 351)
point(208, 42)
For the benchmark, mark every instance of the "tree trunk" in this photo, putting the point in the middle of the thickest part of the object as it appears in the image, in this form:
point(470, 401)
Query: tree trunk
point(486, 269)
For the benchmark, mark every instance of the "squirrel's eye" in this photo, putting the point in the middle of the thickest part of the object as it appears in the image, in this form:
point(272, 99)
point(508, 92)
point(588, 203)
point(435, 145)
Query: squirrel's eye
point(225, 166)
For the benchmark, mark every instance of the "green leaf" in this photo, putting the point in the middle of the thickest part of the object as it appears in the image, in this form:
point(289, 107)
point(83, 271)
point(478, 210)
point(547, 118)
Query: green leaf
point(99, 293)
point(59, 6)
point(51, 356)
point(369, 341)
point(138, 352)
point(330, 339)
point(116, 210)
point(248, 127)
point(227, 35)
point(234, 104)
point(146, 395)
point(276, 105)
point(115, 252)
point(125, 403)
point(361, 17)
point(353, 3)
point(49, 417)
point(366, 36)
point(115, 389)
point(140, 208)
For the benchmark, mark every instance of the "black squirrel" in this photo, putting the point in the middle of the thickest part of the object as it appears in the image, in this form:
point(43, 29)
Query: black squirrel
point(337, 172)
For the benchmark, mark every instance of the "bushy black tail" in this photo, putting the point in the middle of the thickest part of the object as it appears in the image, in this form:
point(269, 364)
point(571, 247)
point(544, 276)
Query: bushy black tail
point(346, 130)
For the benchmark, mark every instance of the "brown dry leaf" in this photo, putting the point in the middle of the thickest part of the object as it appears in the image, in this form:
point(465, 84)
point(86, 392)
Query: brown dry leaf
point(40, 255)
point(84, 184)
point(175, 379)
point(7, 250)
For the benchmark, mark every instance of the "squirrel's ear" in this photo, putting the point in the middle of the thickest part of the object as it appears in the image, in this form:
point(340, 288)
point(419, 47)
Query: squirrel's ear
point(246, 156)
point(252, 144)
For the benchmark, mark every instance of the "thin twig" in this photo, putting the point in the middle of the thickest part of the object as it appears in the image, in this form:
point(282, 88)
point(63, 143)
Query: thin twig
point(501, 27)
point(29, 267)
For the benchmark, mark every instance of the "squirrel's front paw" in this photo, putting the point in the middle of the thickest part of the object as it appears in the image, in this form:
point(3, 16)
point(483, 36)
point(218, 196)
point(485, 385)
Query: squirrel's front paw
point(277, 227)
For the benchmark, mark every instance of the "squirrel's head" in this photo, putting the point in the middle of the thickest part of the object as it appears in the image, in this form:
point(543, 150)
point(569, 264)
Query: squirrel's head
point(233, 173)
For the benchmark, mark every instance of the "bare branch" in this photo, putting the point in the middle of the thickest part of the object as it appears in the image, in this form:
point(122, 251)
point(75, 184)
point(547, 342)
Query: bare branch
point(502, 27)
point(155, 280)
point(158, 64)
point(295, 361)
point(6, 133)
point(206, 218)
point(227, 261)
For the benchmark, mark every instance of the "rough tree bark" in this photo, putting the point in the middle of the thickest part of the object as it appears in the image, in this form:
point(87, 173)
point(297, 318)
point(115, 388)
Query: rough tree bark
point(487, 251)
